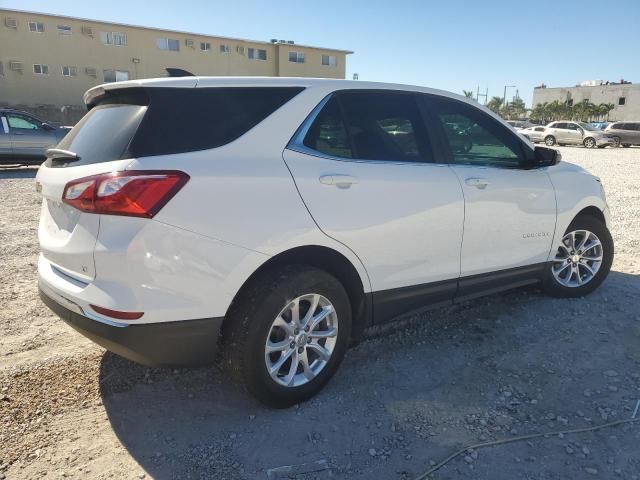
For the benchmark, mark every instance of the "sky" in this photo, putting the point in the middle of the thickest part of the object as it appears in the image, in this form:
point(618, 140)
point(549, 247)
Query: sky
point(448, 44)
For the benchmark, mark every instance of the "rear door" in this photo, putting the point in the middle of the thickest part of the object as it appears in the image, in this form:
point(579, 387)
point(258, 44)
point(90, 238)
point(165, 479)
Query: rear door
point(510, 209)
point(365, 168)
point(68, 236)
point(29, 136)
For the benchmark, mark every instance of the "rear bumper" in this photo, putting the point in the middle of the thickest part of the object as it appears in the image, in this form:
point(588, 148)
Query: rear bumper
point(164, 344)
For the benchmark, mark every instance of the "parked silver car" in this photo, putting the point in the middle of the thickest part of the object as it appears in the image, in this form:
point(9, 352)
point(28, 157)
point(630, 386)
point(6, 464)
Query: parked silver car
point(576, 133)
point(535, 133)
point(624, 134)
point(25, 138)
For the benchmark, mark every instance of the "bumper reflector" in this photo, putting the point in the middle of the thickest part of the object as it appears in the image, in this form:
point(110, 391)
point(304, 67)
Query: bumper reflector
point(116, 314)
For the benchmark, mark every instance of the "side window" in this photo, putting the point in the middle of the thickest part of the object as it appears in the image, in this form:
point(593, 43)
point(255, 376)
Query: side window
point(562, 126)
point(21, 122)
point(572, 126)
point(371, 125)
point(385, 126)
point(328, 133)
point(539, 129)
point(475, 138)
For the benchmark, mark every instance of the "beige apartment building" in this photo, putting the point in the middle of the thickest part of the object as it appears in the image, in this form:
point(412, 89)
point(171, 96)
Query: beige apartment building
point(47, 62)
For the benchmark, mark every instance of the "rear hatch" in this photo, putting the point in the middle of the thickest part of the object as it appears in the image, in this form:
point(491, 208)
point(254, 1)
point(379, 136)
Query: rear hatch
point(97, 144)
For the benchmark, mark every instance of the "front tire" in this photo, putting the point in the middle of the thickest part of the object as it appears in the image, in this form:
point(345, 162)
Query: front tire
point(287, 334)
point(589, 142)
point(582, 261)
point(549, 140)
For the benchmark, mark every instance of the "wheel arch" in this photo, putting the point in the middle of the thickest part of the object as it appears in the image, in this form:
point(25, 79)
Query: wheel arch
point(591, 211)
point(330, 261)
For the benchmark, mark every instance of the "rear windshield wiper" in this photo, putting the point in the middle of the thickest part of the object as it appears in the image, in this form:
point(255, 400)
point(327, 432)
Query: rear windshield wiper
point(62, 156)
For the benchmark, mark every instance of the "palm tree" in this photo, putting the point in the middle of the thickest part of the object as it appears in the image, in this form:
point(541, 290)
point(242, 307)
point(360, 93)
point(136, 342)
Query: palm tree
point(495, 104)
point(468, 93)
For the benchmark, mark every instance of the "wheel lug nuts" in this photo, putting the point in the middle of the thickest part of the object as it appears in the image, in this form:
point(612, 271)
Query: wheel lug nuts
point(309, 340)
point(306, 329)
point(292, 344)
point(300, 350)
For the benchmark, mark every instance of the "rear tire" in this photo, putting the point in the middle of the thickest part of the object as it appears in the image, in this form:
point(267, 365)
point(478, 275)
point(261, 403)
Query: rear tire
point(263, 318)
point(564, 283)
point(549, 140)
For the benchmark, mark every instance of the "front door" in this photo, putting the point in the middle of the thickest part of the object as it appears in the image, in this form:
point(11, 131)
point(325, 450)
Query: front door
point(29, 136)
point(510, 208)
point(365, 169)
point(574, 134)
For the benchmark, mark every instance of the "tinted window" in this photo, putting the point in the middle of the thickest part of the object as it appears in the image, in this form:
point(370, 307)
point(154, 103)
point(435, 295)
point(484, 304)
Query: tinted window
point(474, 137)
point(539, 129)
point(572, 126)
point(103, 134)
point(190, 119)
point(370, 125)
point(160, 121)
point(385, 126)
point(560, 125)
point(328, 133)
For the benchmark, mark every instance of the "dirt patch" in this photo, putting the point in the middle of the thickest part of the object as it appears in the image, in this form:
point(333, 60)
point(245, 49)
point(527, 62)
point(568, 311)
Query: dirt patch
point(407, 397)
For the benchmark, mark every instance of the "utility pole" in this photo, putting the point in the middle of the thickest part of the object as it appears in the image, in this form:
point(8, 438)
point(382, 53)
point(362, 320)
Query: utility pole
point(485, 94)
point(504, 95)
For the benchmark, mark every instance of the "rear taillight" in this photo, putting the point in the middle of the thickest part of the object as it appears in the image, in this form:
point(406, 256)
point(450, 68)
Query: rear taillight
point(135, 193)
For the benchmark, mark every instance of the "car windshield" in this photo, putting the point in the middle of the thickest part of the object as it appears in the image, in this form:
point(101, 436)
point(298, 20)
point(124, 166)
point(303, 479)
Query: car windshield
point(586, 126)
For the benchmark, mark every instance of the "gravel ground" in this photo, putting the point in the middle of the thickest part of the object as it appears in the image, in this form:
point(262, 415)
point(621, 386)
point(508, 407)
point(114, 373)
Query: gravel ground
point(404, 399)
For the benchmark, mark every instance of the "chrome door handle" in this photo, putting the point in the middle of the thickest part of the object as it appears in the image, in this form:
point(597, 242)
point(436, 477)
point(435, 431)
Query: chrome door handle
point(340, 181)
point(480, 183)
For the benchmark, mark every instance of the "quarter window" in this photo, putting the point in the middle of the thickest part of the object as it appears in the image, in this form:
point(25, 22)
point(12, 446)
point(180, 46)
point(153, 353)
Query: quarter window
point(371, 126)
point(474, 138)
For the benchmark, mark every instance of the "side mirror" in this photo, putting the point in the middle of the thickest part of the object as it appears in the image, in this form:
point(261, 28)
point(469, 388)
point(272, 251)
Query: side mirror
point(46, 126)
point(546, 157)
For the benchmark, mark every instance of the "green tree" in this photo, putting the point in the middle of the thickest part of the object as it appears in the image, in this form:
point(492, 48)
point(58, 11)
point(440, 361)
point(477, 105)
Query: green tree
point(495, 104)
point(468, 93)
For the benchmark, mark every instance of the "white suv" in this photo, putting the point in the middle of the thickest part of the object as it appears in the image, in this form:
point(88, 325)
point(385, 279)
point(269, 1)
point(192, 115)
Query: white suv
point(274, 219)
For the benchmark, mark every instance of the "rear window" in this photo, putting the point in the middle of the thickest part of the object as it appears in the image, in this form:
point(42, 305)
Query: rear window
point(141, 122)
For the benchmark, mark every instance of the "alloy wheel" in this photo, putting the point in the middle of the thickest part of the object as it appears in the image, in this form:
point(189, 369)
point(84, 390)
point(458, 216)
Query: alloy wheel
point(549, 141)
point(589, 143)
point(578, 259)
point(616, 141)
point(301, 340)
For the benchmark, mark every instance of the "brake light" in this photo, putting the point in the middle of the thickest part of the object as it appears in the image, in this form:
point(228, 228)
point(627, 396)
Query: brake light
point(134, 193)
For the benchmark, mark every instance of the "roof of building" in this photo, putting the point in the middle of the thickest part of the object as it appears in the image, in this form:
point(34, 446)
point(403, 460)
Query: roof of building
point(181, 32)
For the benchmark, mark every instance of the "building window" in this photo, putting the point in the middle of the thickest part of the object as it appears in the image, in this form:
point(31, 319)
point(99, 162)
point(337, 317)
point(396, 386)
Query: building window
point(205, 46)
point(11, 23)
point(296, 57)
point(622, 101)
point(41, 69)
point(239, 50)
point(256, 54)
point(188, 42)
point(68, 71)
point(91, 72)
point(168, 44)
point(36, 27)
point(224, 48)
point(329, 60)
point(115, 75)
point(64, 30)
point(114, 38)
